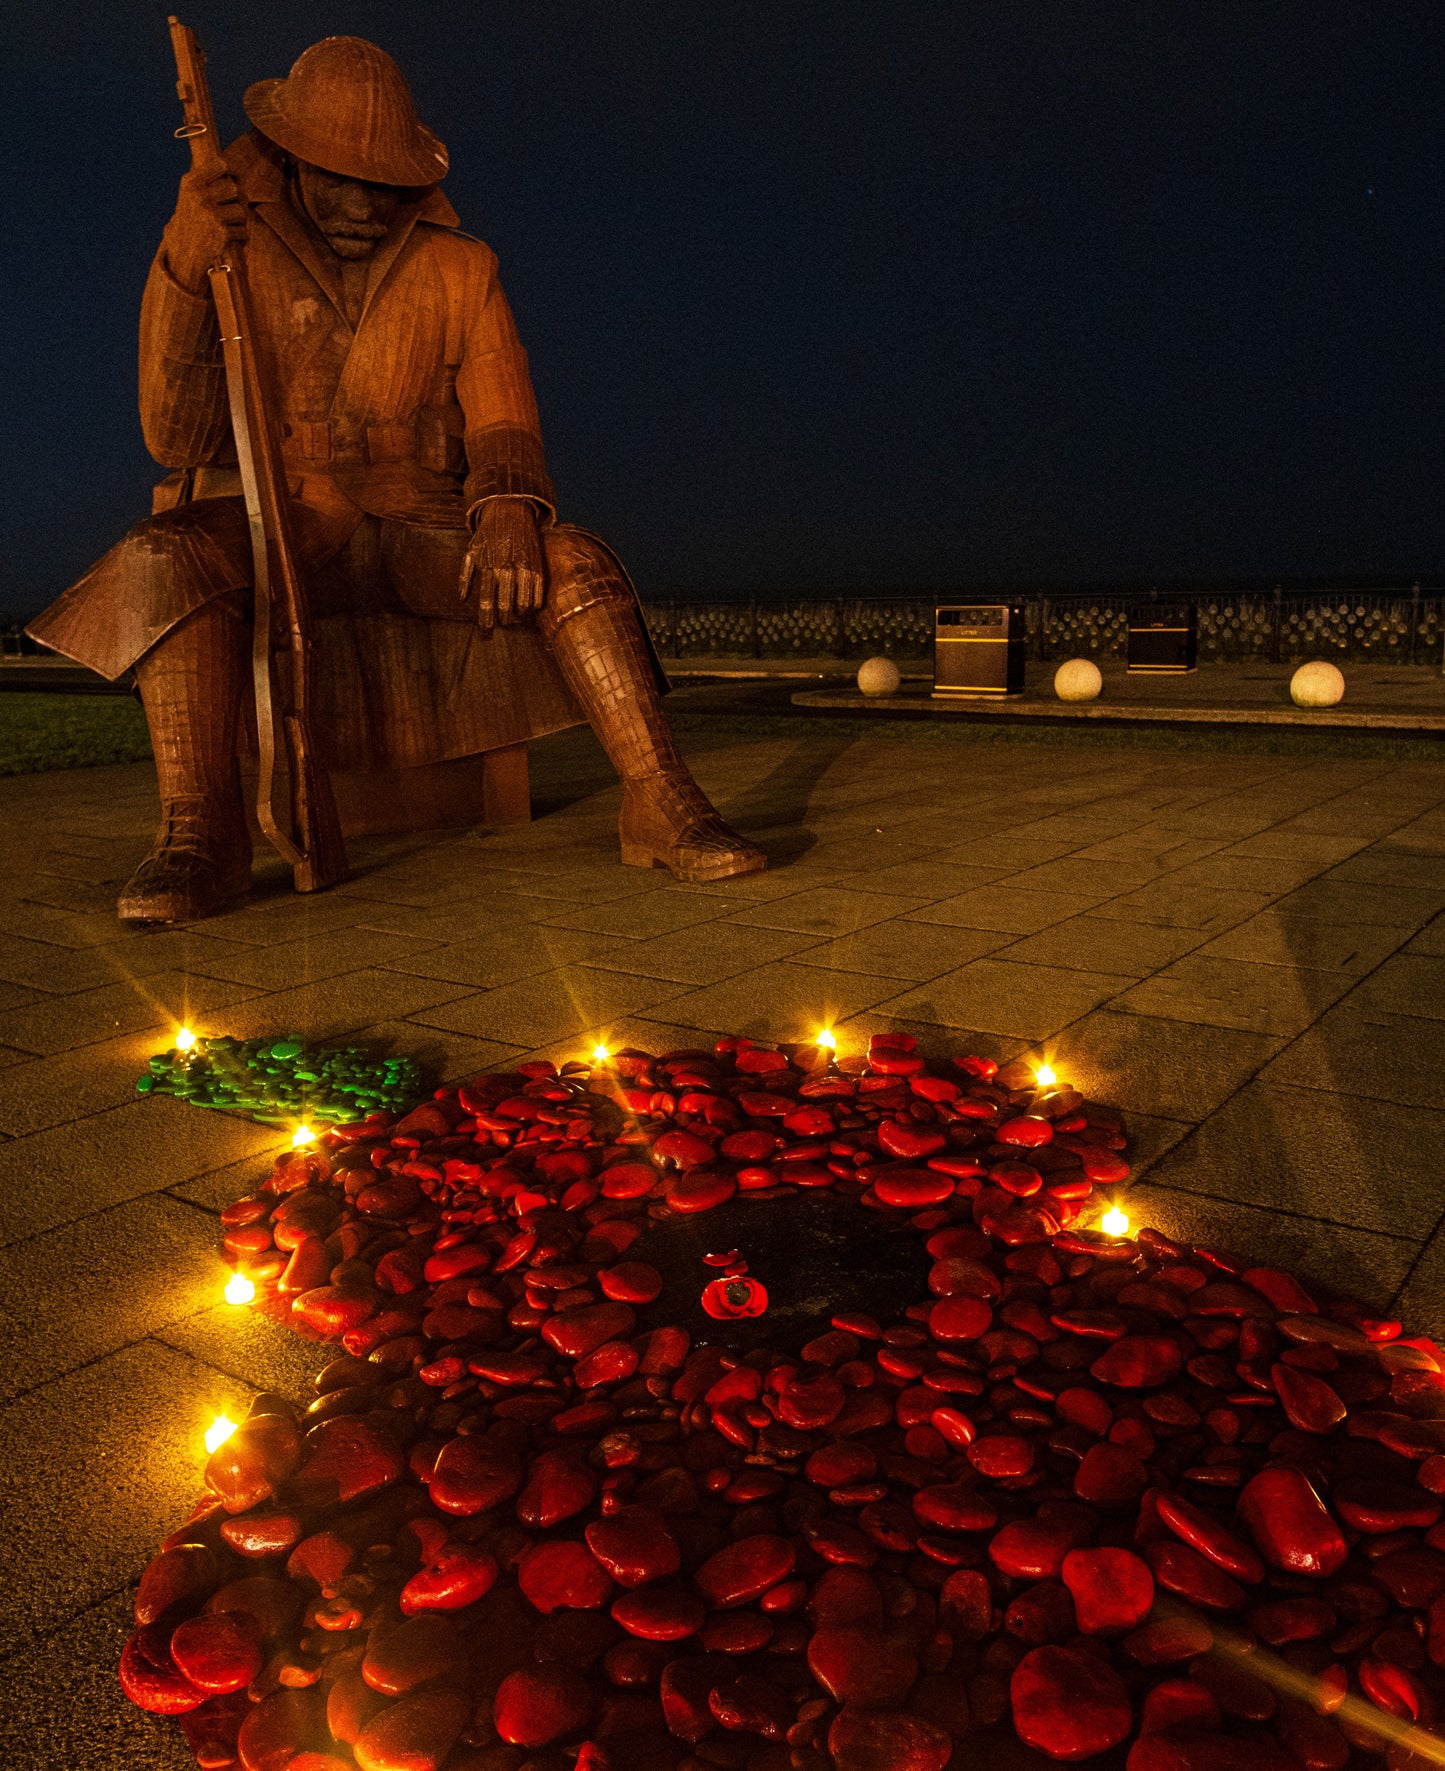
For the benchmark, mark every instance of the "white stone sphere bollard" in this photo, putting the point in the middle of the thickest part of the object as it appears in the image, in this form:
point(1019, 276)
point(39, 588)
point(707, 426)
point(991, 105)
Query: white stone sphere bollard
point(879, 676)
point(1317, 684)
point(1078, 680)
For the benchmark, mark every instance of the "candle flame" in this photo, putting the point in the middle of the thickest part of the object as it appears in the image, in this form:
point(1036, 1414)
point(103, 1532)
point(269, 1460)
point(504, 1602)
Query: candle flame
point(827, 1039)
point(219, 1431)
point(185, 1040)
point(302, 1136)
point(600, 1054)
point(1114, 1222)
point(239, 1289)
point(1046, 1076)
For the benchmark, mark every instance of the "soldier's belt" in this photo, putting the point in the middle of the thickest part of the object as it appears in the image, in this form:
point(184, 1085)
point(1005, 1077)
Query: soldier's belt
point(333, 440)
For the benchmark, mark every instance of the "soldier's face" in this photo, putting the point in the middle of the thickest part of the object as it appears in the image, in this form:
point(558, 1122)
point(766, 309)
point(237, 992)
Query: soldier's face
point(350, 214)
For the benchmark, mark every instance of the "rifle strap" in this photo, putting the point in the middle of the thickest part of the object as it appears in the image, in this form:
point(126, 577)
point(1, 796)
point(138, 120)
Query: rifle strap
point(233, 346)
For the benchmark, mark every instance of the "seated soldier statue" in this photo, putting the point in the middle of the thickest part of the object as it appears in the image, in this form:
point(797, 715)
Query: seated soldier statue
point(451, 606)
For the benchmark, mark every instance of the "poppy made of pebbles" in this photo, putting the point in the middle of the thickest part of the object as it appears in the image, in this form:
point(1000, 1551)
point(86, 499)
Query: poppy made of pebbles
point(1062, 1505)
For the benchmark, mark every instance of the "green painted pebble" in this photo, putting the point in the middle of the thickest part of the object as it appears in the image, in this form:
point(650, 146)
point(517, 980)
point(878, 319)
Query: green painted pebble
point(280, 1081)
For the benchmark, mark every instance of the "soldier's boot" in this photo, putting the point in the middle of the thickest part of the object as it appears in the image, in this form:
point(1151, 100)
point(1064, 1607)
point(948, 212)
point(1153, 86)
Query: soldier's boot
point(191, 684)
point(592, 625)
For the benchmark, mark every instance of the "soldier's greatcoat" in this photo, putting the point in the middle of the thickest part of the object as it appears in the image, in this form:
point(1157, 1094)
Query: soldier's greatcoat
point(402, 402)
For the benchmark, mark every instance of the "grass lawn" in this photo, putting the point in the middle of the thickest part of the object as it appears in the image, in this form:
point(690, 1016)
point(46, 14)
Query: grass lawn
point(40, 732)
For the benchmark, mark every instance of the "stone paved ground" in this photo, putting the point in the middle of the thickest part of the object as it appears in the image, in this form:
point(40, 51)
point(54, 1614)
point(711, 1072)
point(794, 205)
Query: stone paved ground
point(1245, 953)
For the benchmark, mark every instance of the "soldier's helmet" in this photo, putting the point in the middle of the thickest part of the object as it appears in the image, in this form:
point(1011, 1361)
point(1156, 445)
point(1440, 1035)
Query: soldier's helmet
point(346, 107)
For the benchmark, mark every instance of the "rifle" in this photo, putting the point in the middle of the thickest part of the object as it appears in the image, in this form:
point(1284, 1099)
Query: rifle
point(308, 832)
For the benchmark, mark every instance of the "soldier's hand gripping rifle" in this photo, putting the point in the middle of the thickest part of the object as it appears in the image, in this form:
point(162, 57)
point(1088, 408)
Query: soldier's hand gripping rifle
point(308, 833)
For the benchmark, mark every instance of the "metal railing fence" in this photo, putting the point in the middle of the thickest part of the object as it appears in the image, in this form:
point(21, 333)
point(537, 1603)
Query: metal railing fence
point(1405, 626)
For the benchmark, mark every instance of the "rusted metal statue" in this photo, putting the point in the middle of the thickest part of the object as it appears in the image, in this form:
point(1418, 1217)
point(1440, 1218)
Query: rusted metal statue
point(450, 610)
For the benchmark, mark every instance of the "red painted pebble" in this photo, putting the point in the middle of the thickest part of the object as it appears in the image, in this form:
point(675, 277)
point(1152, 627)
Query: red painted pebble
point(1112, 1590)
point(630, 1282)
point(1309, 1402)
point(954, 1506)
point(459, 1577)
point(582, 1331)
point(1209, 1537)
point(997, 1455)
point(563, 1573)
point(558, 1485)
point(1139, 1361)
point(745, 1569)
point(1033, 1549)
point(151, 1679)
point(882, 1740)
point(414, 1734)
point(1110, 1476)
point(540, 1704)
point(659, 1614)
point(634, 1546)
point(1291, 1524)
point(1068, 1704)
point(959, 1318)
point(400, 1657)
point(472, 1475)
point(870, 1667)
point(911, 1189)
point(218, 1652)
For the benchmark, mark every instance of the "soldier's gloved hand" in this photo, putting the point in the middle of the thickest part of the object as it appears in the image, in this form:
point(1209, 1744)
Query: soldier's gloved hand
point(505, 562)
point(210, 212)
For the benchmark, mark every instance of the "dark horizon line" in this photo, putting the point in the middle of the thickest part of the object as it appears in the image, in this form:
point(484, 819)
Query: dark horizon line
point(1195, 586)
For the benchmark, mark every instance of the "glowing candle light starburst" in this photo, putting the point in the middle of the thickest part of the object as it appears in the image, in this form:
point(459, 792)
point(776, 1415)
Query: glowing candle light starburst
point(827, 1039)
point(239, 1289)
point(219, 1431)
point(600, 1054)
point(1046, 1076)
point(1114, 1222)
point(302, 1137)
point(185, 1040)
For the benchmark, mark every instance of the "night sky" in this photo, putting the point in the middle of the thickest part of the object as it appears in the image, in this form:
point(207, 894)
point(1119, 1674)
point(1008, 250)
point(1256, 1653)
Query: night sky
point(834, 293)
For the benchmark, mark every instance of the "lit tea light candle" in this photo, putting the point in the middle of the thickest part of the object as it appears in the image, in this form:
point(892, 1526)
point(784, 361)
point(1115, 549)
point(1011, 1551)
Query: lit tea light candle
point(600, 1054)
point(827, 1039)
point(302, 1136)
point(185, 1040)
point(219, 1431)
point(239, 1289)
point(1114, 1222)
point(1046, 1076)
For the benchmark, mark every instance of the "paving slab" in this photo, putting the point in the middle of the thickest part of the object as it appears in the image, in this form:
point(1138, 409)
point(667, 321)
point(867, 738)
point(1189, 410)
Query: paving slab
point(1223, 992)
point(100, 1282)
point(904, 948)
point(1181, 1069)
point(546, 1007)
point(1098, 943)
point(779, 1001)
point(998, 995)
point(70, 1171)
point(61, 1023)
point(1276, 937)
point(1008, 909)
point(1362, 1051)
point(491, 957)
point(61, 1705)
point(828, 910)
point(100, 1465)
point(1372, 1165)
point(708, 952)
